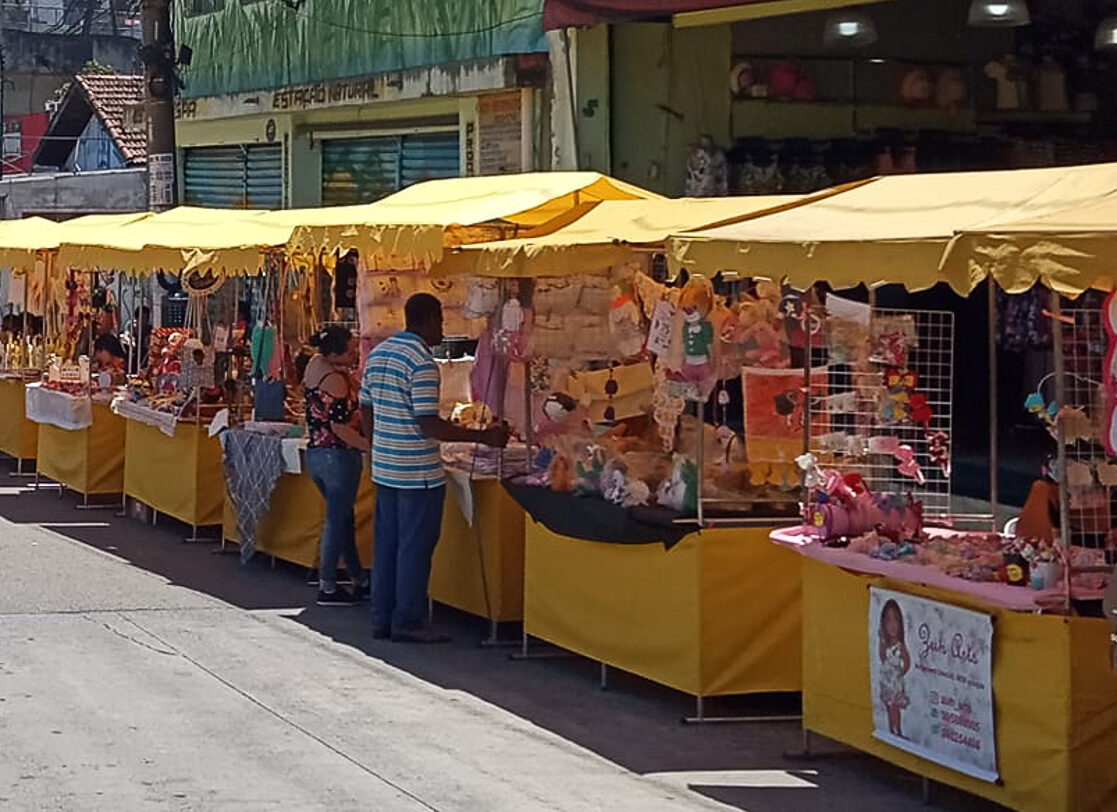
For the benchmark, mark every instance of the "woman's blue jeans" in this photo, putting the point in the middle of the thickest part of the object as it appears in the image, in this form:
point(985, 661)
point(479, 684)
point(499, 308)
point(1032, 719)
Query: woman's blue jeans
point(337, 473)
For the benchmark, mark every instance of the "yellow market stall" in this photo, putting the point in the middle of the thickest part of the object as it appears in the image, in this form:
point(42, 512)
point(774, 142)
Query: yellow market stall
point(19, 437)
point(80, 441)
point(478, 562)
point(708, 613)
point(980, 664)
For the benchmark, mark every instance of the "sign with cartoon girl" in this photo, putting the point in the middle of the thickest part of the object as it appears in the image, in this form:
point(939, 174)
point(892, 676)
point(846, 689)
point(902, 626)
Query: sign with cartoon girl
point(931, 673)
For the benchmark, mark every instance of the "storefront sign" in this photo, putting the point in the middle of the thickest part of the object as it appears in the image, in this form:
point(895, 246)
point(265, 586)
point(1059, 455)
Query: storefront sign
point(931, 681)
point(327, 94)
point(500, 127)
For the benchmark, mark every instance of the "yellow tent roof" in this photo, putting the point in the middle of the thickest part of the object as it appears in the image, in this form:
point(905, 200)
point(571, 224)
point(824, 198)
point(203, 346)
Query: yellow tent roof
point(20, 240)
point(1069, 250)
point(409, 228)
point(604, 236)
point(889, 230)
point(176, 239)
point(413, 226)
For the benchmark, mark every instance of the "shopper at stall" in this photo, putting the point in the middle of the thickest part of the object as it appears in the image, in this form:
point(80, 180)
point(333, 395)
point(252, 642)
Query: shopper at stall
point(109, 353)
point(399, 400)
point(333, 459)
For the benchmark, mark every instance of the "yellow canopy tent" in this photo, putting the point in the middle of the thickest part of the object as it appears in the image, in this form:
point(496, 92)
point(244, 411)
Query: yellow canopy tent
point(889, 230)
point(413, 227)
point(1068, 250)
point(21, 240)
point(408, 229)
point(604, 236)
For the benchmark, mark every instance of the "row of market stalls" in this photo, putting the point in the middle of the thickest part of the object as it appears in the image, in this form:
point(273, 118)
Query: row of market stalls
point(727, 478)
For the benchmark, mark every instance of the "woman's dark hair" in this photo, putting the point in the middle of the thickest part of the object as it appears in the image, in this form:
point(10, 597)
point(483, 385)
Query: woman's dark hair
point(892, 606)
point(332, 340)
point(109, 343)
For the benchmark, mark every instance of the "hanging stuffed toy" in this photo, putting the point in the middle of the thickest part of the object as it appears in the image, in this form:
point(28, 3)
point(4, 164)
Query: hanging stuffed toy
point(695, 303)
point(624, 325)
point(680, 491)
point(510, 338)
point(899, 385)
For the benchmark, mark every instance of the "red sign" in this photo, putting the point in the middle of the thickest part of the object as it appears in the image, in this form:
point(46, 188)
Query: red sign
point(21, 138)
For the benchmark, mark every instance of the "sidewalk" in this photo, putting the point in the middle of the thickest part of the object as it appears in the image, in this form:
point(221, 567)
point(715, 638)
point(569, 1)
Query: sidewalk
point(138, 672)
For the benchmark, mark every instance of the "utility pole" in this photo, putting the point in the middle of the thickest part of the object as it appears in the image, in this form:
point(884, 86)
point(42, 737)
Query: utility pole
point(157, 55)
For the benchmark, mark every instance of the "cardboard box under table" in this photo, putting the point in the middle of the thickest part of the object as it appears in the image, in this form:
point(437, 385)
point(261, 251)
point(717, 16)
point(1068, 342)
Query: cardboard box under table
point(19, 437)
point(89, 461)
point(716, 614)
point(178, 475)
point(1054, 696)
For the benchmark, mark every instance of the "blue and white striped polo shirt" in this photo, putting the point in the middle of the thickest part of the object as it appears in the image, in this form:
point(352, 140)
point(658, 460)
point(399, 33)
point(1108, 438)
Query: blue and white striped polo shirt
point(400, 384)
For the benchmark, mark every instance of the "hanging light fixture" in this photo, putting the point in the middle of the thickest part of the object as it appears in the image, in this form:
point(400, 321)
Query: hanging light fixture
point(850, 28)
point(1106, 37)
point(999, 13)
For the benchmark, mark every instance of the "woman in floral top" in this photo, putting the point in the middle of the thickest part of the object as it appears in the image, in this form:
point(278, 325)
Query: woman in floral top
point(333, 458)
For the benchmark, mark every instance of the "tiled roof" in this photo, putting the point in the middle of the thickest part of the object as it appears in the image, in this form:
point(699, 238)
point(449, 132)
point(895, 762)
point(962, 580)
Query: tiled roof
point(109, 94)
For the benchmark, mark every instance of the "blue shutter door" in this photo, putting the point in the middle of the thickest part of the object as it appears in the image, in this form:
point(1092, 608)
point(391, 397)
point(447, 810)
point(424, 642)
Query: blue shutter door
point(427, 156)
point(235, 177)
point(361, 170)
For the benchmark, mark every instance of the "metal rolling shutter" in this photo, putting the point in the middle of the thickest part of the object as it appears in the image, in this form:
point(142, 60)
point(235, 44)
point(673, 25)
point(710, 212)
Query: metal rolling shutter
point(361, 170)
point(248, 176)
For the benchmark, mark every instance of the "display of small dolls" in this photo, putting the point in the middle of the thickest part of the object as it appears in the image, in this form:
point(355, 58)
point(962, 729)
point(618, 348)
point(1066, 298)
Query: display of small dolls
point(695, 303)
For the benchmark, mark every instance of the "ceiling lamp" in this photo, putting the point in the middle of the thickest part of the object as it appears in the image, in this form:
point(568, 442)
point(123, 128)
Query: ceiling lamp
point(1106, 37)
point(850, 28)
point(999, 13)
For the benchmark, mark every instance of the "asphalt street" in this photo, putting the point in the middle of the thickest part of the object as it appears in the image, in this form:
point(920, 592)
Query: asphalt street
point(139, 672)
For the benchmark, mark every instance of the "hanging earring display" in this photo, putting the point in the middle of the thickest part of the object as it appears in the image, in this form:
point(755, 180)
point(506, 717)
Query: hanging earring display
point(611, 389)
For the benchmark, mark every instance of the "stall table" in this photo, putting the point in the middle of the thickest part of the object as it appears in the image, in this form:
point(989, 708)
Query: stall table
point(717, 614)
point(179, 475)
point(19, 437)
point(89, 461)
point(291, 529)
point(1055, 699)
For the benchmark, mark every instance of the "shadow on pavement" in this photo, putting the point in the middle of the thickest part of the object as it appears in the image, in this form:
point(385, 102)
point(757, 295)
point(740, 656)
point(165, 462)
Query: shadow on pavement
point(635, 724)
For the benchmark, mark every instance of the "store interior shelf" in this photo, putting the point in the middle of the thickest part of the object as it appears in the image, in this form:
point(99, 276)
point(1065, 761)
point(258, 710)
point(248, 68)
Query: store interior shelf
point(788, 119)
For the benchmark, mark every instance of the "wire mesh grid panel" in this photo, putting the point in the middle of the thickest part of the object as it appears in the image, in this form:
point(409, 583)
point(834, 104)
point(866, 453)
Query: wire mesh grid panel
point(883, 407)
point(1091, 473)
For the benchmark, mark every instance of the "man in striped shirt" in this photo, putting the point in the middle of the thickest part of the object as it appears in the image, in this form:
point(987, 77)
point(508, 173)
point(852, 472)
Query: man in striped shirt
point(399, 407)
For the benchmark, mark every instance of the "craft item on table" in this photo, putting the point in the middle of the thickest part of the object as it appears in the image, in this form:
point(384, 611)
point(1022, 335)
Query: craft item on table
point(588, 467)
point(556, 296)
point(1106, 473)
point(843, 403)
point(908, 465)
point(812, 474)
point(625, 325)
point(482, 298)
point(893, 338)
point(622, 488)
point(773, 421)
point(695, 303)
point(662, 331)
point(541, 375)
point(895, 405)
point(1012, 88)
point(667, 407)
point(557, 415)
point(679, 491)
point(1079, 475)
point(759, 330)
point(489, 376)
point(938, 449)
point(1075, 425)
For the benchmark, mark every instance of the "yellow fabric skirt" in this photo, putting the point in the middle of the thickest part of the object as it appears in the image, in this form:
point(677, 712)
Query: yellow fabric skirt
point(90, 460)
point(179, 476)
point(19, 437)
point(717, 614)
point(1055, 699)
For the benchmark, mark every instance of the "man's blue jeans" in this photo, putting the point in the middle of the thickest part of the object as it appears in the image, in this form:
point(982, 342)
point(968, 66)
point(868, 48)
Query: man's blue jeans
point(337, 473)
point(408, 524)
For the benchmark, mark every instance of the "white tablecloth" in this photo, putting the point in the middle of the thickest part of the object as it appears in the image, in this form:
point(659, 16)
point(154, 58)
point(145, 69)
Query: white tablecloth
point(164, 421)
point(58, 408)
